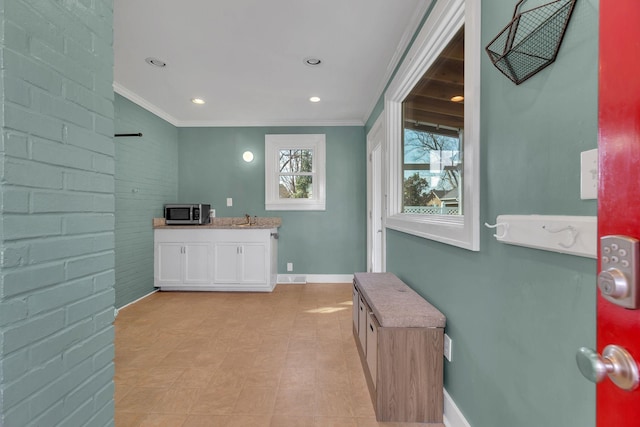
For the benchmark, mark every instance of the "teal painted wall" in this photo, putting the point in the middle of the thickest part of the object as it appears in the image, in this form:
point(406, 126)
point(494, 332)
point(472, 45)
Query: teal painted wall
point(323, 242)
point(517, 315)
point(57, 213)
point(146, 179)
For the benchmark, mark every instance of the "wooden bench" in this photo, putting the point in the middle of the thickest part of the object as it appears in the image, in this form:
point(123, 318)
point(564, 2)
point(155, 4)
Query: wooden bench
point(400, 339)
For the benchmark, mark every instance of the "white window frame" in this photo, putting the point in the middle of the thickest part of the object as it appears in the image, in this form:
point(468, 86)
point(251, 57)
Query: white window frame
point(273, 145)
point(445, 19)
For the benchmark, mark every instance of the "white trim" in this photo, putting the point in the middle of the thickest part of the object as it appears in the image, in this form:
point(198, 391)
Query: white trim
point(117, 310)
point(410, 30)
point(376, 133)
point(329, 278)
point(273, 145)
point(269, 123)
point(136, 99)
point(452, 415)
point(446, 18)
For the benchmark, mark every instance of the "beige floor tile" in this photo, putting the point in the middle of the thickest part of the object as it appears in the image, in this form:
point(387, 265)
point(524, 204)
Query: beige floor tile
point(294, 401)
point(302, 377)
point(177, 401)
point(205, 421)
point(292, 421)
point(333, 402)
point(255, 401)
point(128, 419)
point(163, 420)
point(140, 400)
point(216, 401)
point(194, 378)
point(336, 422)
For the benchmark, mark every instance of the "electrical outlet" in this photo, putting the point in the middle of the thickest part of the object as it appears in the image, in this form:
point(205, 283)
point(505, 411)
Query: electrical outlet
point(289, 266)
point(447, 347)
point(229, 201)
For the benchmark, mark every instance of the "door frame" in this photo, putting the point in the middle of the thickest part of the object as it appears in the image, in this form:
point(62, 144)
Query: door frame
point(376, 200)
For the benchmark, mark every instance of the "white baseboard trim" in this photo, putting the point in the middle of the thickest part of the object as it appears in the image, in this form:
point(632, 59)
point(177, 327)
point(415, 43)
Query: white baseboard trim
point(452, 415)
point(329, 278)
point(117, 310)
point(315, 278)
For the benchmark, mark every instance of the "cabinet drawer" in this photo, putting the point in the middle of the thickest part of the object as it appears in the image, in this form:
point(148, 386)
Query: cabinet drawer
point(372, 346)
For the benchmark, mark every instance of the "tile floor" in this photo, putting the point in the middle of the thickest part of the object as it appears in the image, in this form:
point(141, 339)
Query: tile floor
point(278, 359)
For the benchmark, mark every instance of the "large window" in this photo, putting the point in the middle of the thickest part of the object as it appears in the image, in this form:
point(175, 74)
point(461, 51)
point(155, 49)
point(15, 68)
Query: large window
point(432, 111)
point(295, 172)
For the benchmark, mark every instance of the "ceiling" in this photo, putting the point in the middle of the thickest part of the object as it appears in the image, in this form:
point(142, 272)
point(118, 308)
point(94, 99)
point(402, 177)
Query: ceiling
point(245, 58)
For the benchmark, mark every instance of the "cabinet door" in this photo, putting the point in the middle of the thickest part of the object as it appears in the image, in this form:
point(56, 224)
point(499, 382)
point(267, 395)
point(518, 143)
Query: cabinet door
point(362, 324)
point(196, 263)
point(372, 347)
point(226, 263)
point(356, 299)
point(253, 265)
point(169, 263)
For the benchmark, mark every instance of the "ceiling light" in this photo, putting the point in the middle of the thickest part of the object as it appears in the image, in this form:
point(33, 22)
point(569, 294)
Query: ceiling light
point(457, 98)
point(198, 101)
point(312, 62)
point(314, 99)
point(156, 62)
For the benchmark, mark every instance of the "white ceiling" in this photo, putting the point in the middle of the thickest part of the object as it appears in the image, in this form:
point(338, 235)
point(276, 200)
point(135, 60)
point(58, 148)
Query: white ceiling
point(245, 58)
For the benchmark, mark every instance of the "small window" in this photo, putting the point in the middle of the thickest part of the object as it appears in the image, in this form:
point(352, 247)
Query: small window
point(295, 172)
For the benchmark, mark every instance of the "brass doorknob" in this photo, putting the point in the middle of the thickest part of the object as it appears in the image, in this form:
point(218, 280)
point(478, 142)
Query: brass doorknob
point(615, 362)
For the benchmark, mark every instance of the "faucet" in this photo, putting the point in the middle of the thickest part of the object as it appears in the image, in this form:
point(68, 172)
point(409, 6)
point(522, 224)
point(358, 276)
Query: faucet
point(248, 217)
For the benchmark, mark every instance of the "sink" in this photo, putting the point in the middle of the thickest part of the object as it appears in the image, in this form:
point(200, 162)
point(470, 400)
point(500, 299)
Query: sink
point(241, 225)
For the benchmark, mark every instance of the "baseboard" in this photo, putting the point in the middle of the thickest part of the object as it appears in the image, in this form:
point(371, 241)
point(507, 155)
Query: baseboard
point(117, 310)
point(329, 278)
point(452, 415)
point(314, 278)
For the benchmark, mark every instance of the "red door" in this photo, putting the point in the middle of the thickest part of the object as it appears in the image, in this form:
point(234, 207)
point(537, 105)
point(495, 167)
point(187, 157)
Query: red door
point(619, 189)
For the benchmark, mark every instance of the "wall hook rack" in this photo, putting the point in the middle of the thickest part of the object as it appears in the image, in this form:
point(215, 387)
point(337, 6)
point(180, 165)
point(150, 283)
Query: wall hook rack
point(505, 229)
point(574, 235)
point(120, 135)
point(571, 229)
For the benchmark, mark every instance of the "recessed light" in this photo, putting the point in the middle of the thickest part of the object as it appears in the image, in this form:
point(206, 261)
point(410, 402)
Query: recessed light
point(457, 98)
point(156, 62)
point(312, 62)
point(314, 99)
point(198, 101)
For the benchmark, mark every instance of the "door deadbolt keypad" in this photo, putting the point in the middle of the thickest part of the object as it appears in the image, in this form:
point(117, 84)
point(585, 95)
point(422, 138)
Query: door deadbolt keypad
point(618, 278)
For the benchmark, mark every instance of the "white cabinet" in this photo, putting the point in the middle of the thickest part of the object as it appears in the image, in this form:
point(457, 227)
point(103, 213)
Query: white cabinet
point(215, 259)
point(240, 262)
point(182, 263)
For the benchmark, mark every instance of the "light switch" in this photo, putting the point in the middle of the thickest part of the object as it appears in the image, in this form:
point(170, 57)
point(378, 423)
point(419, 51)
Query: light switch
point(229, 201)
point(589, 174)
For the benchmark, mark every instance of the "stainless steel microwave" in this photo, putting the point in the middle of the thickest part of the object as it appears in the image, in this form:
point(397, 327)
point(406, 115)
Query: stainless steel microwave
point(186, 213)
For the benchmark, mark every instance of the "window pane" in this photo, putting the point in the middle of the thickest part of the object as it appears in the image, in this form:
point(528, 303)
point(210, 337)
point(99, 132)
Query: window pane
point(292, 161)
point(295, 187)
point(433, 125)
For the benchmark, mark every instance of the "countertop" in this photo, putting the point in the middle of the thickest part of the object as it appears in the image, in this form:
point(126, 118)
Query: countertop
point(230, 223)
point(395, 304)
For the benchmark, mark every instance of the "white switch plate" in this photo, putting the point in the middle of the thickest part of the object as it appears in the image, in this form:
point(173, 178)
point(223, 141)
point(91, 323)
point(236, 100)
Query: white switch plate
point(289, 266)
point(447, 347)
point(589, 174)
point(229, 201)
